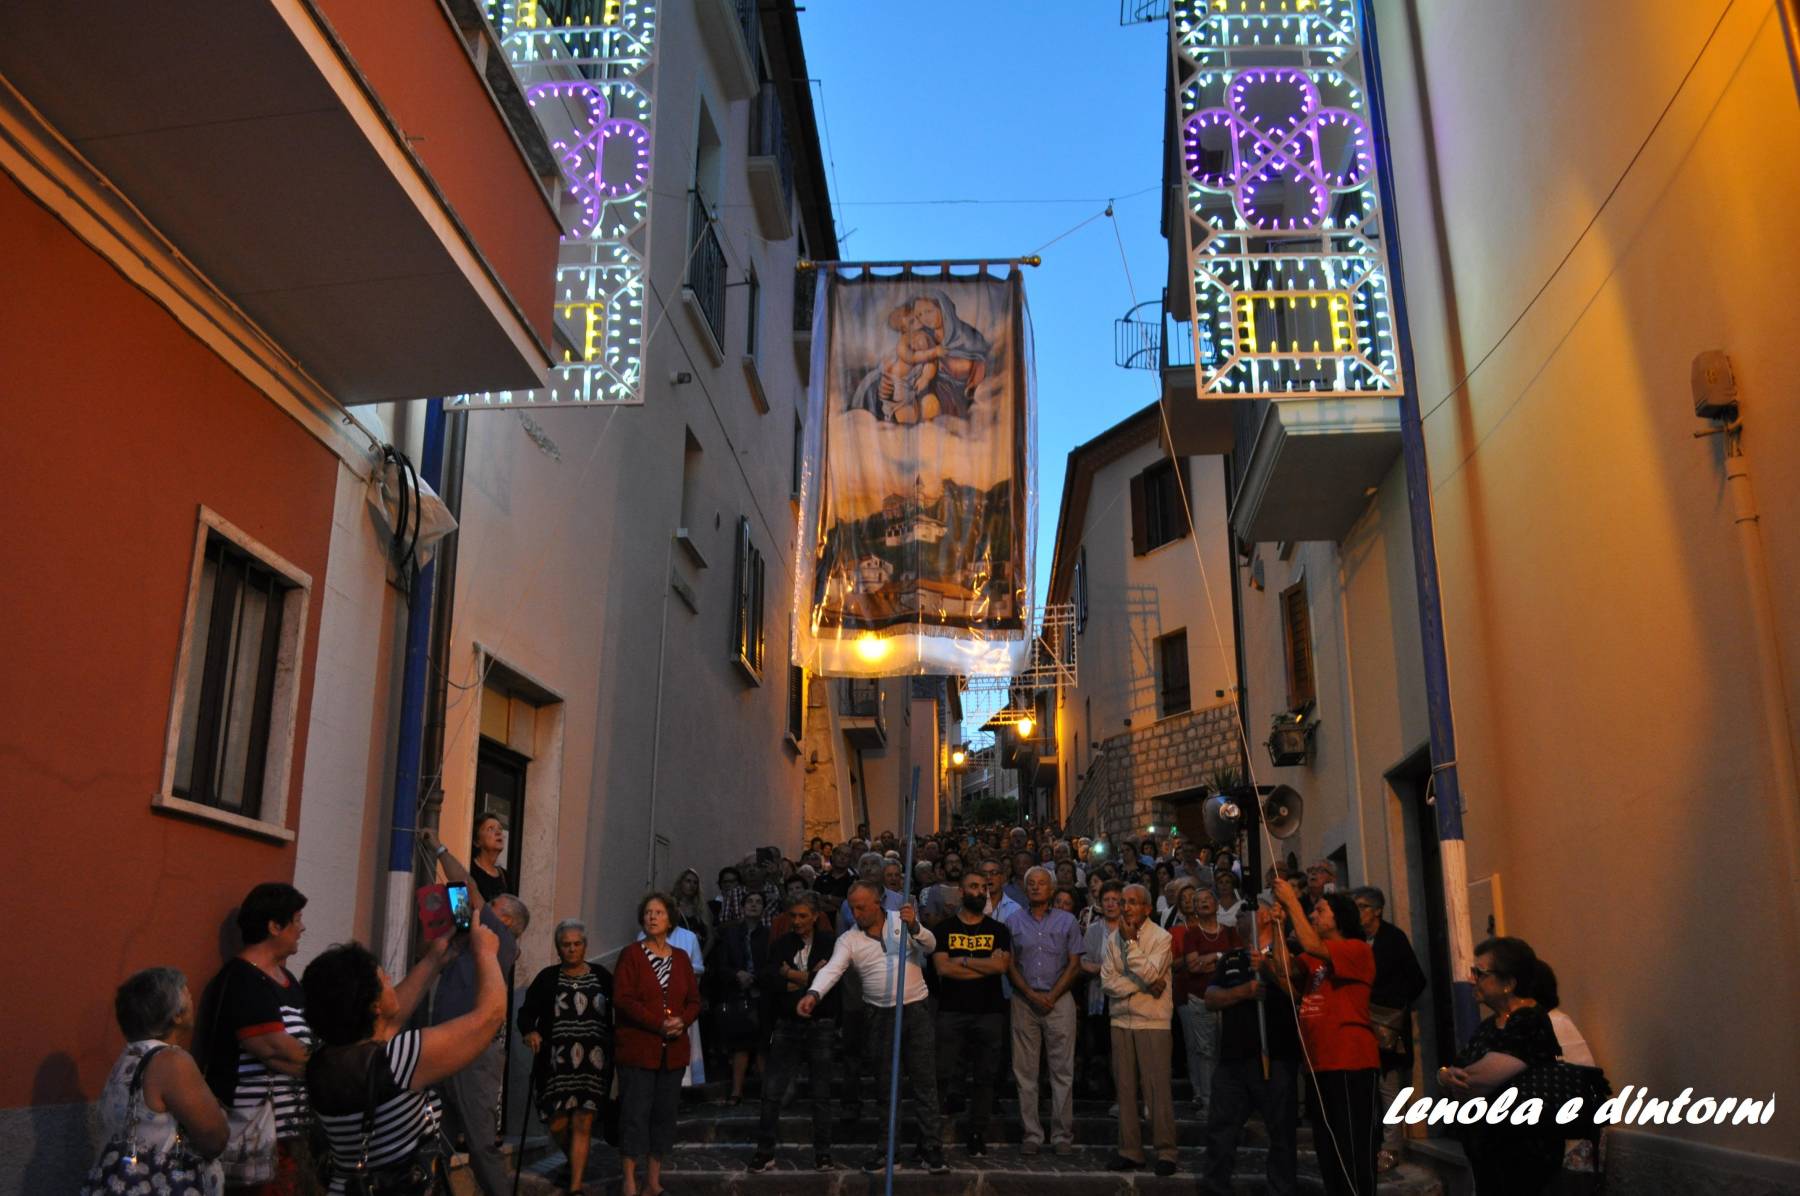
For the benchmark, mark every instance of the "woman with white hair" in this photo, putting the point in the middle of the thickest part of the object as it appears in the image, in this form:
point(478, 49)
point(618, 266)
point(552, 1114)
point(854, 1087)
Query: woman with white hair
point(567, 1021)
point(156, 1101)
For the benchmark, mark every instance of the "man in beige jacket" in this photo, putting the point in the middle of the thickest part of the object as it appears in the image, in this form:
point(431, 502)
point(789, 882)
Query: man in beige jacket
point(1135, 975)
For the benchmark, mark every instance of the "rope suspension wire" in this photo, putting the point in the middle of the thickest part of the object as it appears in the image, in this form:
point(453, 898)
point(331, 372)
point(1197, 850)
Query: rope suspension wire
point(1168, 439)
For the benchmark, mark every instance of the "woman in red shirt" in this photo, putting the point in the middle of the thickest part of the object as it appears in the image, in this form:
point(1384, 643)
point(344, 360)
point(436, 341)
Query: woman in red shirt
point(1329, 981)
point(655, 1000)
point(1198, 941)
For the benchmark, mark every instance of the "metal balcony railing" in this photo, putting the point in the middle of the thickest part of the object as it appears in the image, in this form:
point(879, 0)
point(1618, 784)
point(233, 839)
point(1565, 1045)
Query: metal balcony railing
point(1142, 12)
point(806, 296)
point(860, 698)
point(768, 136)
point(1137, 337)
point(706, 268)
point(751, 27)
point(1145, 338)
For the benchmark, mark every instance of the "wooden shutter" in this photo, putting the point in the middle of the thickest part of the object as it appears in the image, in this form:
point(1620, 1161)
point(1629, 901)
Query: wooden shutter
point(1296, 620)
point(1183, 494)
point(1172, 663)
point(1140, 532)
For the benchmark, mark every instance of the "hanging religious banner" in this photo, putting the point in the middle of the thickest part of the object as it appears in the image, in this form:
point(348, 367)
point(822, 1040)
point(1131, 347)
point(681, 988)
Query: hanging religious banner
point(918, 499)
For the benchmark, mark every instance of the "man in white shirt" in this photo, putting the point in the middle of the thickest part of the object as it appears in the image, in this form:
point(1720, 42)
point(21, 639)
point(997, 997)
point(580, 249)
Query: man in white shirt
point(1135, 974)
point(886, 947)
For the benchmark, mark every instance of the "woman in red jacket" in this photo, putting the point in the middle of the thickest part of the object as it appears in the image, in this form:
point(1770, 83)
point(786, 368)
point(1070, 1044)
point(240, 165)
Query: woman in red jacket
point(655, 999)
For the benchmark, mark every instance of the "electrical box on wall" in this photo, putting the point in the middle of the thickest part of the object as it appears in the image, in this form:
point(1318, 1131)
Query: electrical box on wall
point(1714, 385)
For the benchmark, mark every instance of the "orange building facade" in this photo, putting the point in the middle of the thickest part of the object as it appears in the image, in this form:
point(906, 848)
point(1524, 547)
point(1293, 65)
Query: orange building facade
point(213, 271)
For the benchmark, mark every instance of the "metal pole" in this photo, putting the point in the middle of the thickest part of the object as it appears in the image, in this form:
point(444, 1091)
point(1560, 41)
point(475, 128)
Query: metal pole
point(403, 842)
point(912, 801)
point(1449, 804)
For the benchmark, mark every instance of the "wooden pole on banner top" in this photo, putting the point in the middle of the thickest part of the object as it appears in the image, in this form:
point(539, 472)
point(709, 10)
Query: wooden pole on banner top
point(805, 265)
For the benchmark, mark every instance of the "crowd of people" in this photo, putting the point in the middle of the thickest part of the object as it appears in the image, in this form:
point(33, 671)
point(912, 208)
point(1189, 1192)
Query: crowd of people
point(1012, 959)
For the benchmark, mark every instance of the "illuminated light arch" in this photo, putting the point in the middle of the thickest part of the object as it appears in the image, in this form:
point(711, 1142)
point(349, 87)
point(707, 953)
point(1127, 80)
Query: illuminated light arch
point(1289, 278)
point(588, 72)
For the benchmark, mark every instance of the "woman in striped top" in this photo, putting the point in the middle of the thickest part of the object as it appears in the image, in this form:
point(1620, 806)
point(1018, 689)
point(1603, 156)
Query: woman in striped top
point(655, 1000)
point(368, 1065)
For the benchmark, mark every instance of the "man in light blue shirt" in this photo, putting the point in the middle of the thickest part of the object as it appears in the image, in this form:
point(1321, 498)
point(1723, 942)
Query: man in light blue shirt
point(1046, 962)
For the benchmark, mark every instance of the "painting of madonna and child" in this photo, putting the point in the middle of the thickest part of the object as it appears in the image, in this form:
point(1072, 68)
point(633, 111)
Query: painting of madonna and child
point(922, 477)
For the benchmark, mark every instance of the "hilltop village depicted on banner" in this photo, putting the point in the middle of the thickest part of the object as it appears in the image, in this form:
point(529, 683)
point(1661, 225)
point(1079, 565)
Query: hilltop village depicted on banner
point(943, 556)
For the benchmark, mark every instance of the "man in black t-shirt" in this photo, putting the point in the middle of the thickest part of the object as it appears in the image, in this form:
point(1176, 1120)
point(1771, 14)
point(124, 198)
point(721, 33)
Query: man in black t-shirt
point(834, 885)
point(1240, 986)
point(973, 952)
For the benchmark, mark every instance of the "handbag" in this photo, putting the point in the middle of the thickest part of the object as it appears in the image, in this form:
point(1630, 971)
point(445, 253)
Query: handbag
point(419, 1174)
point(249, 1156)
point(1389, 1025)
point(1558, 1082)
point(125, 1169)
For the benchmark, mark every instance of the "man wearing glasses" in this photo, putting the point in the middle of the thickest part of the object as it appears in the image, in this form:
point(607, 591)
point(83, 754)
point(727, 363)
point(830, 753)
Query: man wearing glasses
point(1398, 982)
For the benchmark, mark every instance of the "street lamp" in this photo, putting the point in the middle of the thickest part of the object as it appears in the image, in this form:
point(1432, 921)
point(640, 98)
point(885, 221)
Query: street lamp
point(1026, 727)
point(1291, 739)
point(958, 758)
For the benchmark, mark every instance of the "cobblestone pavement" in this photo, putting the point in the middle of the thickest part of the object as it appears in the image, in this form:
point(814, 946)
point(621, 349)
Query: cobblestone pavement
point(715, 1141)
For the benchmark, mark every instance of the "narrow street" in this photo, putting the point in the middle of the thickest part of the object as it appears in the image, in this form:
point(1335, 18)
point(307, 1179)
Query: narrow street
point(575, 564)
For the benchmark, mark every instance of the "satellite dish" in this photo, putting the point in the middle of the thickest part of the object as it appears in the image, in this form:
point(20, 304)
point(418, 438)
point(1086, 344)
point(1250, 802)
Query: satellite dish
point(1281, 811)
point(1222, 817)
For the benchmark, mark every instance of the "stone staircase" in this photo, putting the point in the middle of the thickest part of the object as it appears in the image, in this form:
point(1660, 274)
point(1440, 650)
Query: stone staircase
point(714, 1142)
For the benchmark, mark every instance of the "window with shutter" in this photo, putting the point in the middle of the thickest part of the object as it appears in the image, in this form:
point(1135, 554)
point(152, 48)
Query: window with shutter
point(1296, 622)
point(1157, 514)
point(1081, 591)
point(1172, 674)
point(747, 633)
point(796, 711)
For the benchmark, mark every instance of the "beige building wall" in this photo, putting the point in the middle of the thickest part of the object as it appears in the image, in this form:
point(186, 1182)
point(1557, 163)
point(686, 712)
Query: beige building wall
point(661, 754)
point(1134, 599)
point(1617, 776)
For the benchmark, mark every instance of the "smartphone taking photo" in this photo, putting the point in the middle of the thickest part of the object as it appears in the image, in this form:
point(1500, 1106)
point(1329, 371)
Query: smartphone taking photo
point(461, 916)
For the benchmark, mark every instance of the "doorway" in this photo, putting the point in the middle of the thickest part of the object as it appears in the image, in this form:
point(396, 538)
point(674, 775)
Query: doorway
point(500, 789)
point(1411, 784)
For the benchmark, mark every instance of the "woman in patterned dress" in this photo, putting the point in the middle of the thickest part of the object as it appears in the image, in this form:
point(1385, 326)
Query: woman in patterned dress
point(567, 1022)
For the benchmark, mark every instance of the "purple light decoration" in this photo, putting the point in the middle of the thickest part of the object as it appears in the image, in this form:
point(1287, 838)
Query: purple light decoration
point(1275, 123)
point(584, 156)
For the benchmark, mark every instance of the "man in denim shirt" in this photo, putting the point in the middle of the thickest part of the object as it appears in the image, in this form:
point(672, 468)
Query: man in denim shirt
point(1046, 962)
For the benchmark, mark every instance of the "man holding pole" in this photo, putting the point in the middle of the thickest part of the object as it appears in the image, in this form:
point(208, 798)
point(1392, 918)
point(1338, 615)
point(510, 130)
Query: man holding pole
point(1258, 1068)
point(881, 944)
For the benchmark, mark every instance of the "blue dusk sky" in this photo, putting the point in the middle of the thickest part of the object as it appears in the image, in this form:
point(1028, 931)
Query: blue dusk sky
point(1038, 109)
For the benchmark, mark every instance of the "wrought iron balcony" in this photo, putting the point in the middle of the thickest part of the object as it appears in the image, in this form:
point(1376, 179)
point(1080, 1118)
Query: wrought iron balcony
point(731, 31)
point(862, 712)
point(706, 269)
point(770, 165)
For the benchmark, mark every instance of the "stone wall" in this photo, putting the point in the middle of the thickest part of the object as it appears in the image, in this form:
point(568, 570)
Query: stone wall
point(1136, 772)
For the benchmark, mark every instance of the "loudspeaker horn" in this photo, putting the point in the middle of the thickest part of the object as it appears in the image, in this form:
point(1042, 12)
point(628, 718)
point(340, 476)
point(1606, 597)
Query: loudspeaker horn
point(1281, 811)
point(1222, 817)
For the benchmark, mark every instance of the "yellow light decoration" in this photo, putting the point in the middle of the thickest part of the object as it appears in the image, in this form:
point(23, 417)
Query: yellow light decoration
point(872, 648)
point(1026, 727)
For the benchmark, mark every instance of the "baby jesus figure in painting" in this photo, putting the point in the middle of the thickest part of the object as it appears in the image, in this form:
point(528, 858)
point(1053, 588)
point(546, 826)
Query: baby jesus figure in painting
point(910, 388)
point(907, 376)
